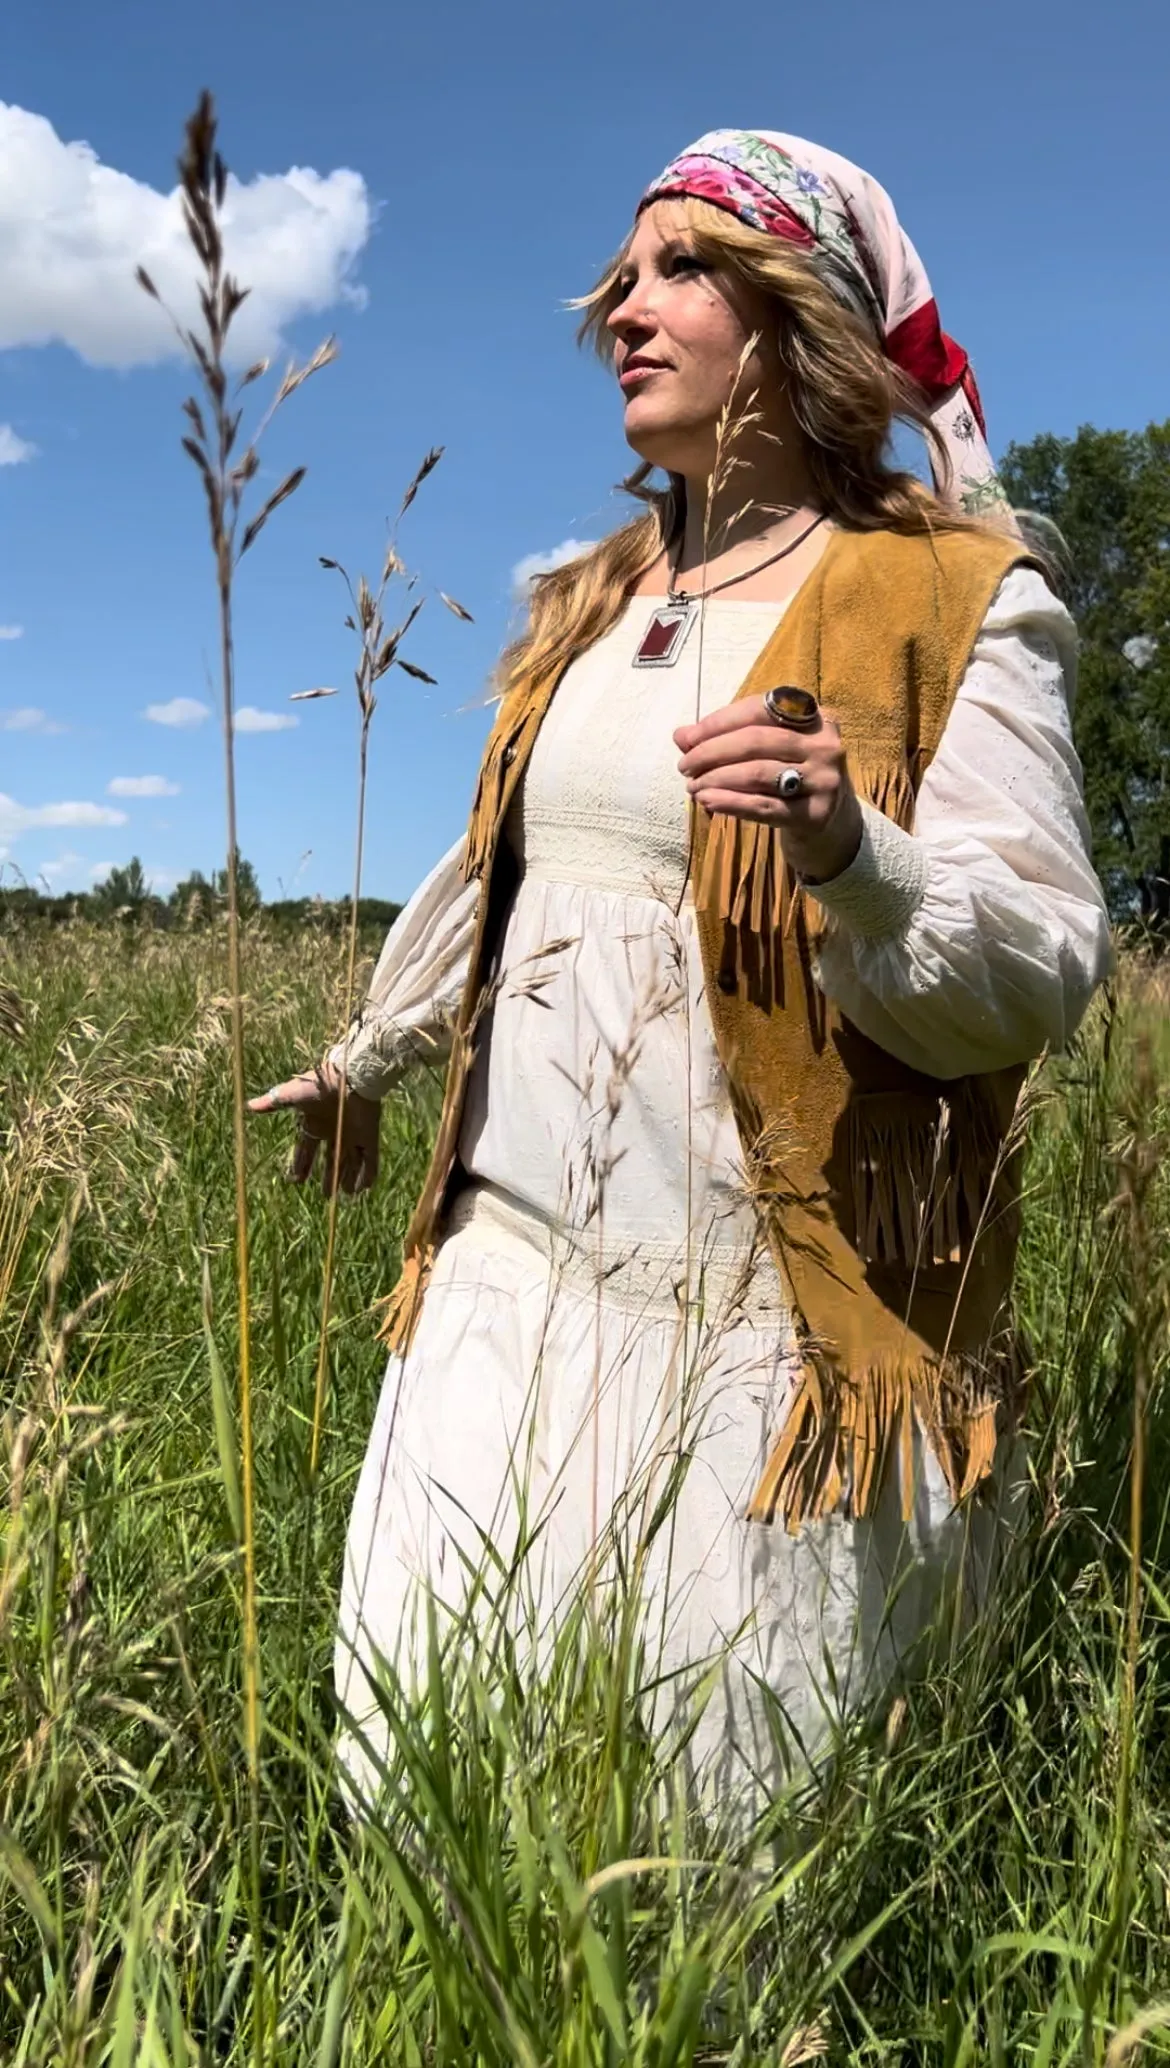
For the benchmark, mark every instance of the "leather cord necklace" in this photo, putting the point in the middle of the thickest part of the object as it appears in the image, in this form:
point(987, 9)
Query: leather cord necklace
point(665, 635)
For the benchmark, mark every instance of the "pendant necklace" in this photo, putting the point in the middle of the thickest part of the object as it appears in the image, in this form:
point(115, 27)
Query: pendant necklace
point(666, 634)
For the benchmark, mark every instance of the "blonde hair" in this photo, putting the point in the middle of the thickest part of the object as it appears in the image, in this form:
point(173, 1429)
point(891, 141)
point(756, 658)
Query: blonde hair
point(846, 396)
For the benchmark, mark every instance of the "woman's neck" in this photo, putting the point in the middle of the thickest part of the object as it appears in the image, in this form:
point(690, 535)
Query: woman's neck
point(763, 503)
point(751, 508)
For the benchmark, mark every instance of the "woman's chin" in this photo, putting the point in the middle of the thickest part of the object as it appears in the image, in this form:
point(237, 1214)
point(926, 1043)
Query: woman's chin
point(657, 442)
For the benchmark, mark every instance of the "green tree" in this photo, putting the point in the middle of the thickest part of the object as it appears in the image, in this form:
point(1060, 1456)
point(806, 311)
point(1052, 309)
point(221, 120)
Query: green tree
point(1109, 493)
point(193, 900)
point(123, 890)
point(247, 886)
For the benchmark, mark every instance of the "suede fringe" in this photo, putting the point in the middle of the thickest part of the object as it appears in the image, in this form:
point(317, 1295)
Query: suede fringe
point(745, 881)
point(889, 790)
point(744, 877)
point(922, 1174)
point(841, 1431)
point(401, 1308)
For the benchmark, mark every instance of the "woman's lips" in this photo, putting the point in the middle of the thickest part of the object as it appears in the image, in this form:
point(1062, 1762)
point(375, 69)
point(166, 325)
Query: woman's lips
point(632, 376)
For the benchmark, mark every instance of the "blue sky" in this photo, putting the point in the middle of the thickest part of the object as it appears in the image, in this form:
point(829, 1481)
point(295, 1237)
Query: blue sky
point(496, 153)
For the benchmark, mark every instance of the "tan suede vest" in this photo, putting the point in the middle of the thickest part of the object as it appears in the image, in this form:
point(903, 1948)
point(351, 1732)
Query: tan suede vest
point(888, 1199)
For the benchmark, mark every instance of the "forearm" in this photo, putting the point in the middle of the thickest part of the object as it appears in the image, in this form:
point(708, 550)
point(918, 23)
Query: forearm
point(946, 958)
point(413, 999)
point(978, 939)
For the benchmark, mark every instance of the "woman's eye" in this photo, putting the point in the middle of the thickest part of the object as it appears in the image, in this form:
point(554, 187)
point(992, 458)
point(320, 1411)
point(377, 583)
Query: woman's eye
point(686, 262)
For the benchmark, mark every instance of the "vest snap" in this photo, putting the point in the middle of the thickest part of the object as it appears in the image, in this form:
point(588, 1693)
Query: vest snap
point(727, 980)
point(509, 756)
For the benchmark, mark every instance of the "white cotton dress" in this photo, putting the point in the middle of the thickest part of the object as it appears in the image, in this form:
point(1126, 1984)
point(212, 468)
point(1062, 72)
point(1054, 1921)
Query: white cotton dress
point(599, 1306)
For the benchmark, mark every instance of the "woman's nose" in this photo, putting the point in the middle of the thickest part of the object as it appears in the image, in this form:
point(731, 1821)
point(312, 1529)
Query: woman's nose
point(634, 314)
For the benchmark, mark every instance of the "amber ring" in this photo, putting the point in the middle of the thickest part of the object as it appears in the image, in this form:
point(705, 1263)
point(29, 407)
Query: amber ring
point(797, 709)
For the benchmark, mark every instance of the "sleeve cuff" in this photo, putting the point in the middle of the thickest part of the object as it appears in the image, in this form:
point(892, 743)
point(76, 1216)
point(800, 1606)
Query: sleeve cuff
point(879, 893)
point(380, 1052)
point(368, 1059)
point(365, 1070)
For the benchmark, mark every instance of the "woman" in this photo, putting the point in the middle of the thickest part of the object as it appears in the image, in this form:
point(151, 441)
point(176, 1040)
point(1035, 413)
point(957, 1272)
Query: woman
point(758, 919)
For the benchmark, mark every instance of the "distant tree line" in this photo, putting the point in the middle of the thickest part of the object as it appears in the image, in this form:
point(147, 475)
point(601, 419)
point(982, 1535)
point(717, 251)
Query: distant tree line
point(124, 897)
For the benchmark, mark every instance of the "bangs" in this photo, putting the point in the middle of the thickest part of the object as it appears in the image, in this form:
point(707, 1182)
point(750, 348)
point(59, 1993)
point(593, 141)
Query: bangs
point(767, 262)
point(708, 225)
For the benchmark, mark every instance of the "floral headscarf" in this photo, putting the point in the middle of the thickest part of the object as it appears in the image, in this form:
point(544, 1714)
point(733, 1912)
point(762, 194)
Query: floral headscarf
point(833, 210)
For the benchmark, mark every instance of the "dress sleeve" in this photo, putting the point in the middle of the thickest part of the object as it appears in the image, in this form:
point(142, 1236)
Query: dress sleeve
point(416, 987)
point(978, 939)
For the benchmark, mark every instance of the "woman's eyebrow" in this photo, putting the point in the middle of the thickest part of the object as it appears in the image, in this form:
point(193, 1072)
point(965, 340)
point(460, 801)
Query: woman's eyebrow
point(670, 247)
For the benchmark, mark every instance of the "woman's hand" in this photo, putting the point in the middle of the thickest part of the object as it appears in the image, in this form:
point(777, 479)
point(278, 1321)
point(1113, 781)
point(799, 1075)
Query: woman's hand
point(314, 1097)
point(732, 761)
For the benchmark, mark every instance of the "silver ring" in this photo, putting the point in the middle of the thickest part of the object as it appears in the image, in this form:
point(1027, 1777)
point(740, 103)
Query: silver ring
point(789, 784)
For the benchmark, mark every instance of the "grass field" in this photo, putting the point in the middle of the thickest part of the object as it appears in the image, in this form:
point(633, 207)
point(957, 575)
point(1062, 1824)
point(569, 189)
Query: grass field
point(983, 1879)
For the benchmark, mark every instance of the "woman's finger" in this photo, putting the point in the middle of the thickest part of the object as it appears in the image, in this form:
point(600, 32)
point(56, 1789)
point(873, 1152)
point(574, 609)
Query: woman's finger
point(350, 1171)
point(303, 1157)
point(757, 779)
point(730, 718)
point(764, 742)
point(368, 1165)
point(742, 804)
point(338, 1165)
point(303, 1090)
point(753, 712)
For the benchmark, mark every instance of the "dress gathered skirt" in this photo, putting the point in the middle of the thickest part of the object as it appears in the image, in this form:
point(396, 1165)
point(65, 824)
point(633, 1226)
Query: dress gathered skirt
point(604, 1356)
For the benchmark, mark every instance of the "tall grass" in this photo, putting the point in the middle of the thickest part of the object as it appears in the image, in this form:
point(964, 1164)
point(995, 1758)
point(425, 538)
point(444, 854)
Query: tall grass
point(967, 1880)
point(227, 468)
point(981, 1874)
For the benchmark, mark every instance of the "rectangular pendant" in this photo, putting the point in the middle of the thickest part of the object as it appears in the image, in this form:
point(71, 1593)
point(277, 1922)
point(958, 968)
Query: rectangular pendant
point(665, 636)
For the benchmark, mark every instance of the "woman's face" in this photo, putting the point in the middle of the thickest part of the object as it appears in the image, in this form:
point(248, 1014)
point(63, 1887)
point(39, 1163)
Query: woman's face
point(680, 332)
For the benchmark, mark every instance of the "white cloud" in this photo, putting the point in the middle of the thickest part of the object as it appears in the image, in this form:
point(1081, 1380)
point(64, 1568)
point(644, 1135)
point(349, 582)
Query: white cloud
point(141, 786)
point(13, 448)
point(180, 711)
point(72, 232)
point(28, 718)
point(66, 865)
point(22, 818)
point(11, 631)
point(544, 563)
point(249, 719)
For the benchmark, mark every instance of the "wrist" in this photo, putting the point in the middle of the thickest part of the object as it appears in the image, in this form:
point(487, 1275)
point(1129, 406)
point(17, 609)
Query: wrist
point(877, 896)
point(363, 1069)
point(832, 849)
